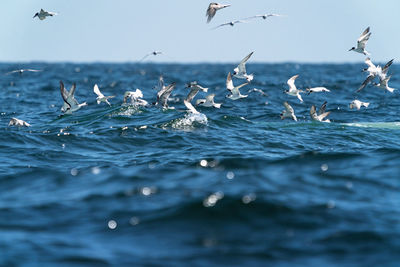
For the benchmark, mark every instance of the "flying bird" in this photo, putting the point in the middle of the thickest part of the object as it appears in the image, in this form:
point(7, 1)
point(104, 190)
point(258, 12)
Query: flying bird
point(42, 14)
point(321, 116)
point(18, 122)
point(208, 102)
point(362, 42)
point(100, 97)
point(293, 91)
point(70, 102)
point(232, 23)
point(240, 71)
point(316, 90)
point(374, 71)
point(212, 10)
point(234, 90)
point(265, 16)
point(288, 112)
point(358, 104)
point(20, 71)
point(154, 53)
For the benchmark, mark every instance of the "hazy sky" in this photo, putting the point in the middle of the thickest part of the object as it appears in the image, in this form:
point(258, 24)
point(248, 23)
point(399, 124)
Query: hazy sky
point(125, 30)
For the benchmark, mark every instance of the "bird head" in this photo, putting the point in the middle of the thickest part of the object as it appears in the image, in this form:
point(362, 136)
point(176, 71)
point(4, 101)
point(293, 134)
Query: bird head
point(351, 49)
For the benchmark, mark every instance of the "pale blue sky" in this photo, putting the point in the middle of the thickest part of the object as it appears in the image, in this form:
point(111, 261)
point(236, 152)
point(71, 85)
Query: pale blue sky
point(125, 30)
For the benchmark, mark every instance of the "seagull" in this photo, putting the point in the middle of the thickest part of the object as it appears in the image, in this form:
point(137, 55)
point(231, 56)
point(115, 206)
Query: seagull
point(288, 112)
point(212, 9)
point(135, 98)
point(69, 99)
point(20, 71)
point(255, 90)
point(154, 53)
point(235, 93)
point(17, 122)
point(265, 16)
point(321, 113)
point(195, 88)
point(100, 97)
point(208, 102)
point(42, 14)
point(362, 42)
point(163, 95)
point(358, 104)
point(384, 84)
point(232, 23)
point(316, 90)
point(293, 91)
point(240, 71)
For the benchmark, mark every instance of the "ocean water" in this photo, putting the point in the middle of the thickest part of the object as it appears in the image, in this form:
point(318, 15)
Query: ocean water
point(124, 186)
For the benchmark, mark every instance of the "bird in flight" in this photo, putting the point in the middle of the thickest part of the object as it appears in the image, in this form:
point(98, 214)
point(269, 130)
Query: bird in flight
point(20, 71)
point(212, 10)
point(42, 14)
point(362, 42)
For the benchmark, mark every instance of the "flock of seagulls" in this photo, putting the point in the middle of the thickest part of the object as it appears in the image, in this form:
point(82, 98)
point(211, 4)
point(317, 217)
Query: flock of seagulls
point(70, 104)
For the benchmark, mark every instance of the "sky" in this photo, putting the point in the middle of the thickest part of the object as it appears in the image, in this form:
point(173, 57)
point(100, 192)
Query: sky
point(313, 31)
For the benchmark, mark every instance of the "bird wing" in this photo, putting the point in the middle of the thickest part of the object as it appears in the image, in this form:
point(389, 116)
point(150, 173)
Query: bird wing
point(313, 113)
point(290, 82)
point(221, 25)
point(96, 90)
point(193, 92)
point(369, 63)
point(64, 94)
point(366, 82)
point(166, 93)
point(242, 64)
point(386, 67)
point(362, 41)
point(210, 12)
point(235, 90)
point(11, 72)
point(229, 83)
point(322, 108)
point(210, 98)
point(288, 108)
point(190, 107)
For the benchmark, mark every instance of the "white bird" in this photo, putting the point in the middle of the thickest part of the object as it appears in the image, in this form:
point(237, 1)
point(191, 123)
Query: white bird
point(208, 102)
point(154, 53)
point(42, 14)
point(18, 122)
point(358, 104)
point(255, 90)
point(232, 23)
point(234, 90)
point(212, 9)
point(163, 95)
point(100, 97)
point(288, 112)
point(20, 71)
point(293, 91)
point(374, 71)
point(194, 89)
point(240, 71)
point(70, 102)
point(135, 98)
point(321, 116)
point(384, 84)
point(362, 42)
point(316, 90)
point(265, 16)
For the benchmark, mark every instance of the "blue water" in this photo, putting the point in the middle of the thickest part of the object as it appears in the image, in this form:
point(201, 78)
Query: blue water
point(245, 188)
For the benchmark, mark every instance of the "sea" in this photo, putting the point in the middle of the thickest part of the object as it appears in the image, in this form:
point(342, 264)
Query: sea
point(123, 185)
